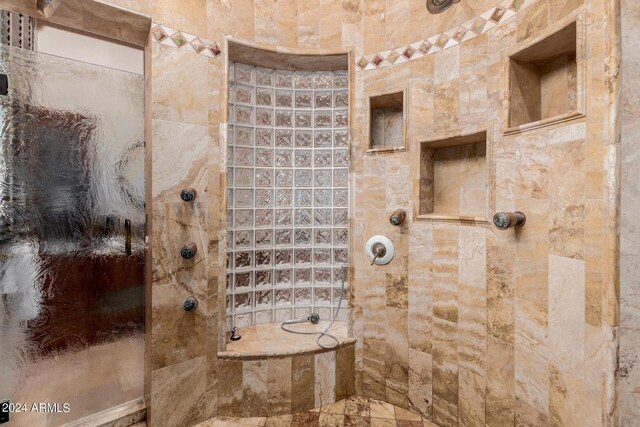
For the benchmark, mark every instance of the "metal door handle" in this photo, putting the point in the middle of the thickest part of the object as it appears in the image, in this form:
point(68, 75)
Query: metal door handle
point(127, 237)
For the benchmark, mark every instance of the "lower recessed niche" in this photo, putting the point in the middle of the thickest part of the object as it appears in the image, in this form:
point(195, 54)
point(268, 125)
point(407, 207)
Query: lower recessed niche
point(453, 177)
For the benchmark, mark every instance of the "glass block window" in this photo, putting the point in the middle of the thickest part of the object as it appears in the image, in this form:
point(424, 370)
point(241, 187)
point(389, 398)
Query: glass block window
point(288, 193)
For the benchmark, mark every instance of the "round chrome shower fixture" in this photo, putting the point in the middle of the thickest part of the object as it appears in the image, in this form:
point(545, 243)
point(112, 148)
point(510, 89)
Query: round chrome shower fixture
point(398, 217)
point(190, 304)
point(439, 6)
point(505, 220)
point(379, 250)
point(235, 336)
point(189, 250)
point(188, 194)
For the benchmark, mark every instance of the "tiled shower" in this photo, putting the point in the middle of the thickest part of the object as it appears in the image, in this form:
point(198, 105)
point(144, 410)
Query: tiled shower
point(302, 129)
point(288, 193)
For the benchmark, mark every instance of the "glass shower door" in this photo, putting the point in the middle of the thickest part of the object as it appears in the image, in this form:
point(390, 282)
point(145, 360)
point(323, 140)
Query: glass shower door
point(71, 238)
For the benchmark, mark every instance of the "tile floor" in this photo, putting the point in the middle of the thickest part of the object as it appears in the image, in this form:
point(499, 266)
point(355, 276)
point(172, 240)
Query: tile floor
point(354, 411)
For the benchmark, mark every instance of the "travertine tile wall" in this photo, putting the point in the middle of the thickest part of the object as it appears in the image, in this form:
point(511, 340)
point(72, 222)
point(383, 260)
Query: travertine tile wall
point(467, 325)
point(268, 386)
point(629, 371)
point(499, 328)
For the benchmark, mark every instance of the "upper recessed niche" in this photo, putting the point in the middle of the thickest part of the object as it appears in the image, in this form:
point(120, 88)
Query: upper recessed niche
point(387, 122)
point(545, 78)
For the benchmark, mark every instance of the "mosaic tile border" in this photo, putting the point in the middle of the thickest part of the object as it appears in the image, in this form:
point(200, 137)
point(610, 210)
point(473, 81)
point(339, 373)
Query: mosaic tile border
point(185, 41)
point(474, 27)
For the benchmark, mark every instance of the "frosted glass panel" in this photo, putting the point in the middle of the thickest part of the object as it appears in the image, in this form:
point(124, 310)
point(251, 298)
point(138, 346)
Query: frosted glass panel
point(71, 174)
point(288, 199)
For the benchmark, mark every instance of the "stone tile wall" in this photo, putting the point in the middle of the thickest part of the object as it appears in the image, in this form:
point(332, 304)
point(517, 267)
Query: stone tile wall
point(629, 370)
point(261, 387)
point(468, 325)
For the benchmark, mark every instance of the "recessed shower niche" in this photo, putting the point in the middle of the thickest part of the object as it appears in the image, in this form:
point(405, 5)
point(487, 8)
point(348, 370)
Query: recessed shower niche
point(454, 179)
point(387, 122)
point(545, 78)
point(288, 185)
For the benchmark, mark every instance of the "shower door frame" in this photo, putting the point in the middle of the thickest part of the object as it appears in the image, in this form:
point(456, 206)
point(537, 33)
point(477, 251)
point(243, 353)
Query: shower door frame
point(109, 22)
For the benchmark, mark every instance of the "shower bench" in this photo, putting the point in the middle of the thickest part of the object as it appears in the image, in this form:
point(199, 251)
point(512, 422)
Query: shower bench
point(272, 372)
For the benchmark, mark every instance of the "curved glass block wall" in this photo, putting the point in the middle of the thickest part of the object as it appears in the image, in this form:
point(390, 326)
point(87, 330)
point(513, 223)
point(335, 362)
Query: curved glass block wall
point(288, 193)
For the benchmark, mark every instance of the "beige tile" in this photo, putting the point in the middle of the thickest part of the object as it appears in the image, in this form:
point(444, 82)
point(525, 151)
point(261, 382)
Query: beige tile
point(500, 286)
point(472, 328)
point(179, 159)
point(357, 406)
point(446, 106)
point(420, 381)
point(382, 422)
point(178, 393)
point(374, 382)
point(444, 413)
point(380, 409)
point(265, 22)
point(356, 421)
point(254, 388)
point(594, 260)
point(180, 85)
point(533, 173)
point(403, 414)
point(566, 395)
point(374, 25)
point(531, 365)
point(177, 335)
point(397, 357)
point(534, 19)
point(279, 386)
point(561, 8)
point(420, 289)
point(471, 398)
point(500, 400)
point(397, 291)
point(286, 23)
point(566, 312)
point(302, 383)
point(345, 372)
point(325, 378)
point(446, 65)
point(140, 6)
point(335, 408)
point(531, 257)
point(188, 15)
point(279, 421)
point(445, 273)
point(566, 208)
point(230, 388)
point(243, 11)
point(331, 420)
point(445, 364)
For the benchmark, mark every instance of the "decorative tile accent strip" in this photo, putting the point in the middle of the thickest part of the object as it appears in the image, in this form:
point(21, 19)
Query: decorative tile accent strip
point(185, 41)
point(452, 37)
